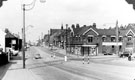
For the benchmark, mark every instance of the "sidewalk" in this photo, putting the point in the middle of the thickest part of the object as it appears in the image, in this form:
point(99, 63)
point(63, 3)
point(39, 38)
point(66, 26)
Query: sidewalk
point(15, 71)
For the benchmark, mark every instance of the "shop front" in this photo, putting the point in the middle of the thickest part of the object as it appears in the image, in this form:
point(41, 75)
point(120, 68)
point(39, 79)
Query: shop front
point(89, 50)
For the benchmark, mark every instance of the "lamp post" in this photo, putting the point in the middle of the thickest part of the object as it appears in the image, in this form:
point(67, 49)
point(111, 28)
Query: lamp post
point(66, 43)
point(23, 29)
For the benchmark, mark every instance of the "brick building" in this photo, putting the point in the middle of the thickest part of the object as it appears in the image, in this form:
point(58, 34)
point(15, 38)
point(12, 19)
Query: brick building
point(92, 40)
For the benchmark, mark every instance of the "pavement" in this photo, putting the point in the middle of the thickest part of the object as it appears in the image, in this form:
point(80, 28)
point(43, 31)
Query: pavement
point(14, 70)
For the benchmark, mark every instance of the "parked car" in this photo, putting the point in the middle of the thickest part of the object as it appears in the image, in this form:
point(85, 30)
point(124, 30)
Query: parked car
point(107, 53)
point(14, 52)
point(37, 56)
point(124, 54)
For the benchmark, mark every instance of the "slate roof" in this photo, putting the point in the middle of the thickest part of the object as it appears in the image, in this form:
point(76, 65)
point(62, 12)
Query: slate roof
point(112, 31)
point(9, 35)
point(52, 31)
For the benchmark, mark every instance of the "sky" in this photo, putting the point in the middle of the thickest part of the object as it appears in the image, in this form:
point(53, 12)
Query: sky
point(53, 13)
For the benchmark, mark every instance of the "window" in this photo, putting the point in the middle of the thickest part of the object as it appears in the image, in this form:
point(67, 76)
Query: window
point(120, 39)
point(129, 38)
point(90, 39)
point(103, 39)
point(113, 39)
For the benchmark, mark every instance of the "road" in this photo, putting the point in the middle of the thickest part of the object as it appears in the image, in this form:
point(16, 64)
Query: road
point(49, 68)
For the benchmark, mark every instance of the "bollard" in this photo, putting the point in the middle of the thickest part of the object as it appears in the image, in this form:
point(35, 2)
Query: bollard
point(65, 58)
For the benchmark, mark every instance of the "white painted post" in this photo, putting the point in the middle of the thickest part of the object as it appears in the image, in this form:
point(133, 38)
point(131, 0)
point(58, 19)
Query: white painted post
point(65, 58)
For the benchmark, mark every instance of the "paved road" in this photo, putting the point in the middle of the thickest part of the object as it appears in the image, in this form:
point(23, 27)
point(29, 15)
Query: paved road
point(56, 69)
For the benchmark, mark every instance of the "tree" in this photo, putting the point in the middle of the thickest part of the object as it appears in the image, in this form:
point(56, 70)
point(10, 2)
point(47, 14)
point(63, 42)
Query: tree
point(131, 2)
point(1, 2)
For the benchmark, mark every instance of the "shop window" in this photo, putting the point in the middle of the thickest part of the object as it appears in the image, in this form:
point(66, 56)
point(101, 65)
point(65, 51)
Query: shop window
point(112, 46)
point(120, 48)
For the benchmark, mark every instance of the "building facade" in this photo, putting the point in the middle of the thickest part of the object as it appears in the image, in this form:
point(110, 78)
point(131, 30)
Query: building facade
point(90, 40)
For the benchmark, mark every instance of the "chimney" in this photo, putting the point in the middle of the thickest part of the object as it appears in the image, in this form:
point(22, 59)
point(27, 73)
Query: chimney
point(61, 26)
point(73, 26)
point(94, 25)
point(77, 26)
point(84, 25)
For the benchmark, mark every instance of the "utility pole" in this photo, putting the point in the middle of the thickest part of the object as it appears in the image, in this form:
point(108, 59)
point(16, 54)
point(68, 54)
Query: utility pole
point(66, 43)
point(23, 31)
point(117, 38)
point(48, 38)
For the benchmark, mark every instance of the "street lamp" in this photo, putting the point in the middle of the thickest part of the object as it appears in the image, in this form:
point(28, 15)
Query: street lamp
point(23, 30)
point(66, 43)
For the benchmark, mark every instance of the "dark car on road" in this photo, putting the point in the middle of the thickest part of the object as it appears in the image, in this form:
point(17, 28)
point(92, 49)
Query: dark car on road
point(124, 54)
point(37, 56)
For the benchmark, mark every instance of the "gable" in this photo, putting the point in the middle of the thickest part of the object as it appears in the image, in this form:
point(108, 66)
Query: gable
point(90, 31)
point(130, 33)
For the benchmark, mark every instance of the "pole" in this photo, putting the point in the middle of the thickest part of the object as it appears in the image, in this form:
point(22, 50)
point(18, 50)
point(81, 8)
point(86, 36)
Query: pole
point(66, 43)
point(18, 41)
point(117, 36)
point(23, 30)
point(48, 39)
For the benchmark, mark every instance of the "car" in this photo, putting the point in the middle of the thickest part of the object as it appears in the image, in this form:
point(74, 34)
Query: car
point(14, 52)
point(124, 54)
point(133, 56)
point(107, 53)
point(37, 56)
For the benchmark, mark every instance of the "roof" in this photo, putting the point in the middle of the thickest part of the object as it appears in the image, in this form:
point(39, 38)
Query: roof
point(112, 31)
point(9, 35)
point(52, 31)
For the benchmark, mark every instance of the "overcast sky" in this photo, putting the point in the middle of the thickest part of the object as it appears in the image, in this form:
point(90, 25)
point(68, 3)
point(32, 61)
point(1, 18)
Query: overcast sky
point(55, 12)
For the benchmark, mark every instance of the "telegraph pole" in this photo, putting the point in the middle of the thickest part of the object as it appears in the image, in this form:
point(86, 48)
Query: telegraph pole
point(117, 38)
point(23, 31)
point(66, 43)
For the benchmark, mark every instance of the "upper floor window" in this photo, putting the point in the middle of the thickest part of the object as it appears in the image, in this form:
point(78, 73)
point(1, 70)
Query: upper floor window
point(90, 39)
point(120, 38)
point(113, 39)
point(103, 38)
point(129, 38)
